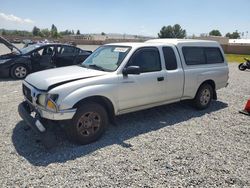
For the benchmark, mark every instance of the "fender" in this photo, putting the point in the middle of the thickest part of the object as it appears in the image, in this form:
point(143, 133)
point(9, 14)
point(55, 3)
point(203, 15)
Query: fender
point(103, 90)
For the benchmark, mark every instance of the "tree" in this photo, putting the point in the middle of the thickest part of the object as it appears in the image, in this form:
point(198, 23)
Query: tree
point(35, 31)
point(78, 32)
point(215, 33)
point(234, 35)
point(174, 31)
point(53, 31)
point(66, 32)
point(4, 32)
point(45, 32)
point(102, 33)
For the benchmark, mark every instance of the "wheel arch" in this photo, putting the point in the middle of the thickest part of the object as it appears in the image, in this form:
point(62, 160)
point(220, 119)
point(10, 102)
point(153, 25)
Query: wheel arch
point(212, 84)
point(104, 101)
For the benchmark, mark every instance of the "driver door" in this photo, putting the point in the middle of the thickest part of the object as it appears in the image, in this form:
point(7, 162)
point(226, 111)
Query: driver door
point(145, 88)
point(42, 58)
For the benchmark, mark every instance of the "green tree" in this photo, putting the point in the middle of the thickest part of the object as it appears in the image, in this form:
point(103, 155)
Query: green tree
point(102, 33)
point(45, 32)
point(234, 35)
point(174, 31)
point(4, 32)
point(66, 32)
point(78, 32)
point(53, 31)
point(35, 31)
point(215, 33)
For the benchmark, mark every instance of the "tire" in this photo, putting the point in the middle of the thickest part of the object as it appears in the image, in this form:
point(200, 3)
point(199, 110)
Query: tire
point(242, 67)
point(19, 71)
point(203, 97)
point(81, 129)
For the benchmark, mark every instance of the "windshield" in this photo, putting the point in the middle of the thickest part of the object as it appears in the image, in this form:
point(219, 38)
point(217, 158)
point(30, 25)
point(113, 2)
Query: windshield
point(29, 48)
point(106, 58)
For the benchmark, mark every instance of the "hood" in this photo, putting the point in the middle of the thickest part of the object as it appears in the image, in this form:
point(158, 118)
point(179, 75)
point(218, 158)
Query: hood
point(48, 79)
point(8, 44)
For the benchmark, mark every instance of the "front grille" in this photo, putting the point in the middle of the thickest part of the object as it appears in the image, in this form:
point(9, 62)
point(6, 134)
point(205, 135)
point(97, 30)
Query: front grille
point(27, 93)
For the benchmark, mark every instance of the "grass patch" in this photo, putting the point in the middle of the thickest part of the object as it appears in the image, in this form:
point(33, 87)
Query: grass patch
point(236, 58)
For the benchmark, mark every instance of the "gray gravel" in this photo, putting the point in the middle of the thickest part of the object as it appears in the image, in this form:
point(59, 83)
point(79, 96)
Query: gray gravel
point(169, 146)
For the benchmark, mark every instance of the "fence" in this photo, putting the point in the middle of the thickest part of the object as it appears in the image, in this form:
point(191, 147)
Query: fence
point(236, 49)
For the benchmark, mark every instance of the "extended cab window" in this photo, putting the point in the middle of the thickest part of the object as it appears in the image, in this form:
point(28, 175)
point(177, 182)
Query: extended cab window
point(148, 59)
point(170, 58)
point(202, 55)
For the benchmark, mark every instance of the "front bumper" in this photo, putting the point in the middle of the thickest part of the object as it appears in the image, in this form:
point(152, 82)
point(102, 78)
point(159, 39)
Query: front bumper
point(37, 124)
point(61, 115)
point(33, 122)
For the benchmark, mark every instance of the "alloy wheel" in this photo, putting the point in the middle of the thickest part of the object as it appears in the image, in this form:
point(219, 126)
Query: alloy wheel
point(20, 72)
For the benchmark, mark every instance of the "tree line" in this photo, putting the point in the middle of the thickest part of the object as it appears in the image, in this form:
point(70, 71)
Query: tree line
point(176, 31)
point(53, 32)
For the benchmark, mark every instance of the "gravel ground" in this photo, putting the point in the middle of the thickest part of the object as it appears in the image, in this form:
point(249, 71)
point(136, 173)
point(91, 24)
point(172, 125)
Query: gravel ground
point(169, 146)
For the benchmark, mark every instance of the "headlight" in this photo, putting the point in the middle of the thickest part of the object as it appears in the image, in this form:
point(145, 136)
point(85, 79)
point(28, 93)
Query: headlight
point(48, 101)
point(51, 102)
point(41, 99)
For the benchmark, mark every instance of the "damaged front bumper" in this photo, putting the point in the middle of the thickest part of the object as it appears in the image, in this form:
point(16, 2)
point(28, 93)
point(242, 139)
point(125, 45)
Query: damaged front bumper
point(25, 111)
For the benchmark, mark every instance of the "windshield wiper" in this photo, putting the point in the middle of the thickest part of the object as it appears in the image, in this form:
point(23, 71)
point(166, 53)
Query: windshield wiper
point(97, 67)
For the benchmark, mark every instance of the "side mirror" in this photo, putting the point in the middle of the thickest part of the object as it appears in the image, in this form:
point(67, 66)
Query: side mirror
point(131, 70)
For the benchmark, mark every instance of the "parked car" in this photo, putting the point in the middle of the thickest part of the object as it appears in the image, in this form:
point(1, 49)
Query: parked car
point(20, 62)
point(122, 78)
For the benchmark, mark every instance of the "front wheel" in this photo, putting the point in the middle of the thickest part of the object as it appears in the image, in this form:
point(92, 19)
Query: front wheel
point(242, 67)
point(19, 71)
point(88, 124)
point(203, 97)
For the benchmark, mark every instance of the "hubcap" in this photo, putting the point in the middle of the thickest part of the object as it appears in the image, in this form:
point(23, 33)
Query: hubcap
point(20, 72)
point(205, 97)
point(89, 123)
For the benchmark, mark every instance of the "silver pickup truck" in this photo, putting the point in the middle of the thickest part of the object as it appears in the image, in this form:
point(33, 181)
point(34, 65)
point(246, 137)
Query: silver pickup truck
point(121, 78)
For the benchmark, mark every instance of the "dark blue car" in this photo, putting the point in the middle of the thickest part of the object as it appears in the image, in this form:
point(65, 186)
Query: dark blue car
point(36, 57)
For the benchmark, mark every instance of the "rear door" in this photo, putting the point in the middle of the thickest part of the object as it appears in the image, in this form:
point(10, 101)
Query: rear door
point(81, 55)
point(65, 55)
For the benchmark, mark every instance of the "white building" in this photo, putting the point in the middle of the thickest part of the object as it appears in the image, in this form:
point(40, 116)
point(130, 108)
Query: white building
point(239, 41)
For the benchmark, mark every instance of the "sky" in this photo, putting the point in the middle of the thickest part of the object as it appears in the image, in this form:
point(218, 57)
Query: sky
point(138, 17)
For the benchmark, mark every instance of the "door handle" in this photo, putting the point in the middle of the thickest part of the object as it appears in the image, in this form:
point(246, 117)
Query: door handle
point(159, 79)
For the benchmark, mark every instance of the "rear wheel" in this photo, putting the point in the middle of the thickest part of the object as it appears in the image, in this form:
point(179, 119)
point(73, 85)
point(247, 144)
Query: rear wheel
point(19, 71)
point(88, 124)
point(203, 97)
point(242, 67)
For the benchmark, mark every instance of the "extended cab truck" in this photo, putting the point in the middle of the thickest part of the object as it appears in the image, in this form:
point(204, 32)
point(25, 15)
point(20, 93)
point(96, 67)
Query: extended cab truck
point(122, 78)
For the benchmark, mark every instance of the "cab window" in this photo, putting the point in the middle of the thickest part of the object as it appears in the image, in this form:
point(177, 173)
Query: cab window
point(148, 59)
